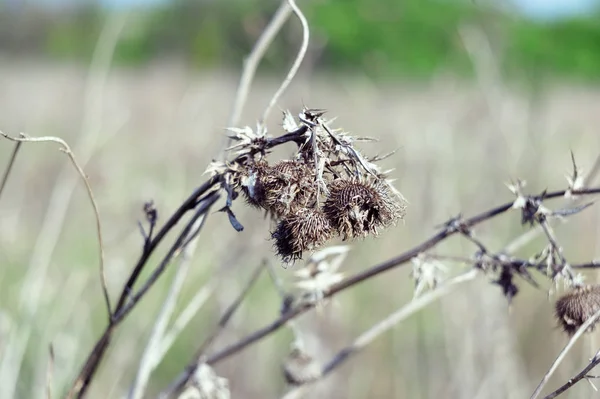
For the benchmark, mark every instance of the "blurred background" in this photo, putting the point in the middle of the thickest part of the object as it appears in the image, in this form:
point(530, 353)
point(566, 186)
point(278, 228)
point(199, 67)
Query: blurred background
point(472, 94)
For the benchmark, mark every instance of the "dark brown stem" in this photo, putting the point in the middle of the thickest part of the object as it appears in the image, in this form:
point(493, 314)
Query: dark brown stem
point(583, 374)
point(125, 306)
point(374, 271)
point(9, 167)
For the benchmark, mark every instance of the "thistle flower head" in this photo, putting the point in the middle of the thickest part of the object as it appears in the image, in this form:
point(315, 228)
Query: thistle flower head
point(288, 186)
point(357, 208)
point(304, 230)
point(574, 308)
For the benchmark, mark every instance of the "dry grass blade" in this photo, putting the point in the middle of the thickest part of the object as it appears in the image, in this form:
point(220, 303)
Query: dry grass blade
point(561, 356)
point(50, 372)
point(153, 353)
point(391, 320)
point(251, 63)
point(182, 379)
point(296, 65)
point(67, 150)
point(11, 162)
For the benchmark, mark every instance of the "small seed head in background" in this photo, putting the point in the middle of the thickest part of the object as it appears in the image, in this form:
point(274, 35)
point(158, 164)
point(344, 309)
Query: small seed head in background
point(574, 308)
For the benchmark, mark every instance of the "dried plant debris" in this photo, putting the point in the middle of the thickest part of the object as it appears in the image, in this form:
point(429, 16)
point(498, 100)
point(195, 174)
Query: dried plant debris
point(326, 188)
point(206, 384)
point(575, 307)
point(299, 367)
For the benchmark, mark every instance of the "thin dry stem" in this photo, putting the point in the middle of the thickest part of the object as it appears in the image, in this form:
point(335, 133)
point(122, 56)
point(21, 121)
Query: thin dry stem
point(581, 375)
point(372, 272)
point(9, 167)
point(296, 65)
point(152, 354)
point(183, 378)
point(50, 372)
point(67, 150)
point(58, 203)
point(563, 353)
point(251, 64)
point(391, 320)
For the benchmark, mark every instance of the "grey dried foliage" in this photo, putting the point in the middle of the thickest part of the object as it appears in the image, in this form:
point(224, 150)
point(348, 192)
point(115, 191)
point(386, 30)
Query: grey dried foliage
point(577, 306)
point(327, 188)
point(206, 384)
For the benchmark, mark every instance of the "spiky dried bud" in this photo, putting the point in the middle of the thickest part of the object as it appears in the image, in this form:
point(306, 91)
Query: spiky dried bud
point(288, 186)
point(574, 308)
point(306, 229)
point(300, 368)
point(357, 208)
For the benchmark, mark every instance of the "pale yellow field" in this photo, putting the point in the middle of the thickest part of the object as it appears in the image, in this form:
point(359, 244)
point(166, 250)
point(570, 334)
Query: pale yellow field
point(153, 131)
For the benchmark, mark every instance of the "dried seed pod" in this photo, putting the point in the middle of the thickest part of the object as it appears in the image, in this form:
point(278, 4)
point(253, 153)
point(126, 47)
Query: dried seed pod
point(358, 208)
point(306, 229)
point(574, 308)
point(300, 368)
point(288, 186)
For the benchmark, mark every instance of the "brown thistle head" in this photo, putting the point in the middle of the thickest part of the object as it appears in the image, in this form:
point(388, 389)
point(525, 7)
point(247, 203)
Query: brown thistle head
point(288, 186)
point(574, 308)
point(357, 208)
point(306, 229)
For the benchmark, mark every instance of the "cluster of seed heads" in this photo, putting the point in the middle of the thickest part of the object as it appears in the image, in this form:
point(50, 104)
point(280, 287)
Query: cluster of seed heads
point(326, 189)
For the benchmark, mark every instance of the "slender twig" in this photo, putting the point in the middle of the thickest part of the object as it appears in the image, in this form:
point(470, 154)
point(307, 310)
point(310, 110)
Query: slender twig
point(9, 167)
point(186, 315)
point(372, 272)
point(93, 360)
point(296, 65)
point(67, 150)
point(563, 353)
point(152, 354)
point(583, 374)
point(181, 380)
point(251, 64)
point(393, 319)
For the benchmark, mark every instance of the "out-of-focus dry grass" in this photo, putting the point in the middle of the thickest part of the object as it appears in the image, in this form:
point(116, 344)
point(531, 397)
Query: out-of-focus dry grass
point(456, 149)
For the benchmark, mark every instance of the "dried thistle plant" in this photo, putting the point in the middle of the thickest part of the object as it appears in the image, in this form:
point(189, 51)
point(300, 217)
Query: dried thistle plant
point(577, 306)
point(326, 188)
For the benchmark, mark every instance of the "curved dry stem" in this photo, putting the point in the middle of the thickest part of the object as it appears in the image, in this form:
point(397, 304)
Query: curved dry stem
point(251, 64)
point(296, 65)
point(563, 353)
point(67, 150)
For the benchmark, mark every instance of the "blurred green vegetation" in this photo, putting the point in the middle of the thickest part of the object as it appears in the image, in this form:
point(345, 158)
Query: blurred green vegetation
point(386, 38)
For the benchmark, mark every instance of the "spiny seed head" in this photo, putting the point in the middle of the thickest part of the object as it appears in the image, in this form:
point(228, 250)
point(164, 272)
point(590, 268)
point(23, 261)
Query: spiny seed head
point(574, 308)
point(289, 185)
point(357, 208)
point(306, 229)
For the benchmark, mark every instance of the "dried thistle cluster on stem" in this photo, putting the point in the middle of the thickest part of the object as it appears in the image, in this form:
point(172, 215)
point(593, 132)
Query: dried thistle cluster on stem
point(326, 189)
